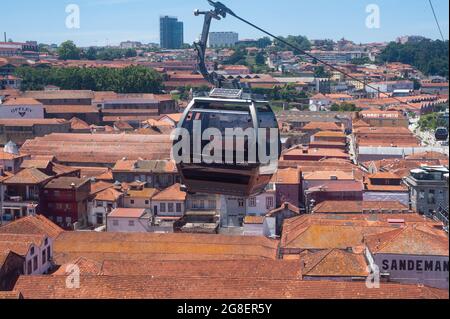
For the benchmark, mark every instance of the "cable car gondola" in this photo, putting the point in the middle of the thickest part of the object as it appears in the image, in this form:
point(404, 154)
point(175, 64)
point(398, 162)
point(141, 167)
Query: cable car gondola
point(441, 134)
point(240, 173)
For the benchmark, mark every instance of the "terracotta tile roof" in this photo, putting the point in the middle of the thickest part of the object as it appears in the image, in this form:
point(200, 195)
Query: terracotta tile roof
point(148, 193)
point(341, 186)
point(30, 176)
point(385, 188)
point(100, 148)
point(333, 263)
point(127, 213)
point(172, 193)
point(328, 175)
point(383, 130)
point(5, 176)
point(21, 101)
point(309, 232)
point(77, 124)
point(10, 295)
point(428, 156)
point(31, 122)
point(315, 152)
point(321, 126)
point(70, 109)
point(108, 195)
point(37, 225)
point(35, 163)
point(287, 176)
point(285, 206)
point(330, 134)
point(61, 94)
point(327, 231)
point(66, 182)
point(409, 240)
point(360, 123)
point(37, 240)
point(145, 287)
point(384, 175)
point(270, 269)
point(358, 207)
point(86, 267)
point(176, 117)
point(100, 186)
point(9, 156)
point(123, 246)
point(20, 248)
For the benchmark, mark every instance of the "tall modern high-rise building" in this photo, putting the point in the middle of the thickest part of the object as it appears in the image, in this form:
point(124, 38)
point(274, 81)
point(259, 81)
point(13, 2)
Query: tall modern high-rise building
point(171, 33)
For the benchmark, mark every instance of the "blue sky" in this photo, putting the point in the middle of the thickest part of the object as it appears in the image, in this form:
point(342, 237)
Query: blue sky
point(113, 21)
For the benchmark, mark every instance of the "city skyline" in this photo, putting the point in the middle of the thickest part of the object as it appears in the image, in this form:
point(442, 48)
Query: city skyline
point(109, 22)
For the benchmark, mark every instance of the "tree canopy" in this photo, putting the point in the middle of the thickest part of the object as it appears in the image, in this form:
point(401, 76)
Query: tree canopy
point(299, 41)
point(428, 56)
point(132, 79)
point(69, 51)
point(344, 107)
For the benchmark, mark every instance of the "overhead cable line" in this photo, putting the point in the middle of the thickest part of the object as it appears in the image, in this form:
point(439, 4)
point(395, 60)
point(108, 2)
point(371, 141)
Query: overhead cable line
point(222, 7)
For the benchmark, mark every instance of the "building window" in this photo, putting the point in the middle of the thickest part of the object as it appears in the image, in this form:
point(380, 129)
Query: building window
point(432, 197)
point(46, 241)
point(35, 263)
point(69, 220)
point(252, 202)
point(241, 203)
point(147, 202)
point(421, 194)
point(162, 207)
point(132, 201)
point(59, 206)
point(29, 268)
point(99, 219)
point(49, 255)
point(32, 251)
point(170, 207)
point(212, 204)
point(178, 207)
point(202, 204)
point(44, 257)
point(115, 223)
point(131, 223)
point(269, 202)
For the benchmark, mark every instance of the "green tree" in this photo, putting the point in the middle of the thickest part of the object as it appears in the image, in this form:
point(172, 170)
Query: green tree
point(344, 107)
point(299, 41)
point(239, 57)
point(320, 72)
point(68, 51)
point(260, 59)
point(130, 53)
point(133, 79)
point(91, 53)
point(430, 57)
